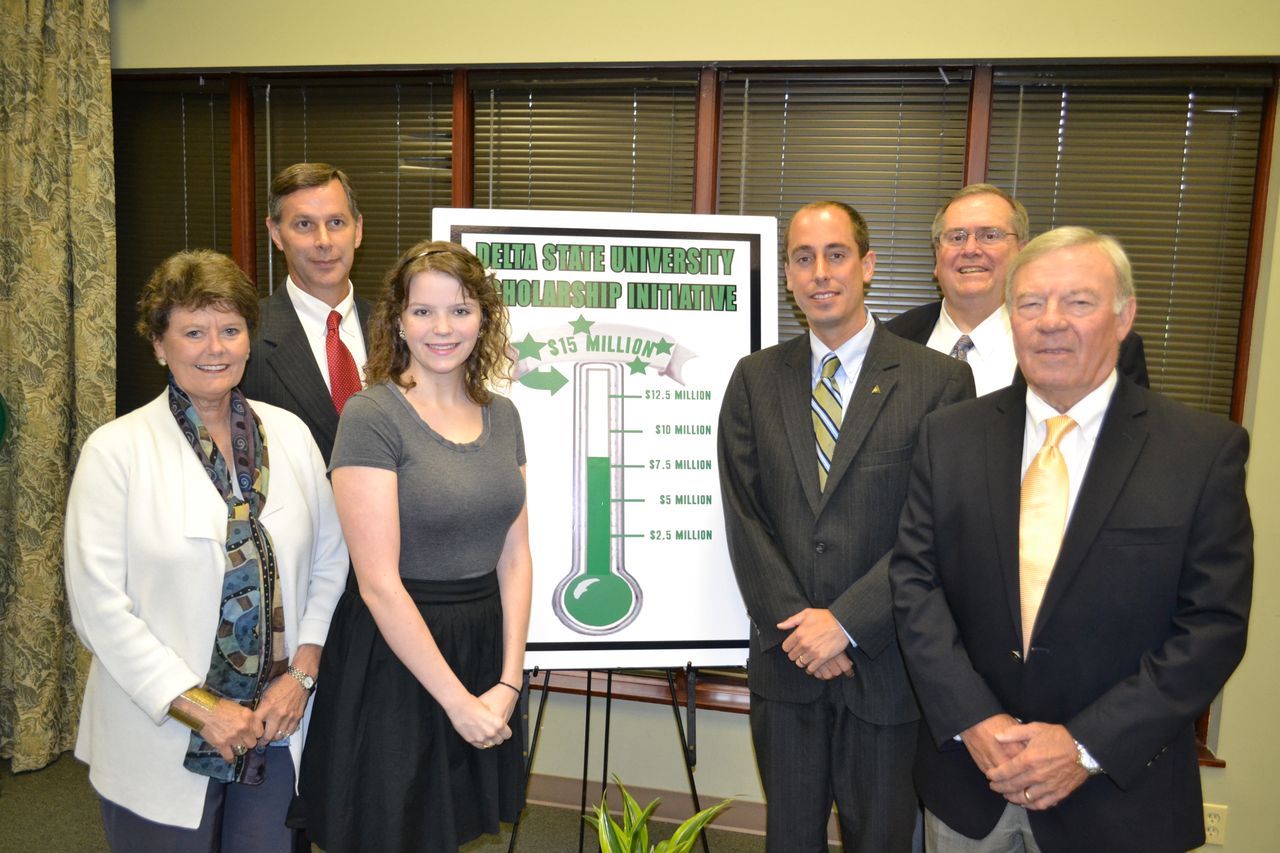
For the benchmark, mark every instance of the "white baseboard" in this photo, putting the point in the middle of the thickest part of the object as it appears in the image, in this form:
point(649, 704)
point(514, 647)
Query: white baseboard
point(743, 816)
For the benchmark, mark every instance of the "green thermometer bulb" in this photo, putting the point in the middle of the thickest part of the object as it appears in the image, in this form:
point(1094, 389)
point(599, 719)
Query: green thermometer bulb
point(597, 596)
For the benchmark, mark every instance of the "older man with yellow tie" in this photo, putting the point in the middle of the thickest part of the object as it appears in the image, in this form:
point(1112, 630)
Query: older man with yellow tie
point(1071, 582)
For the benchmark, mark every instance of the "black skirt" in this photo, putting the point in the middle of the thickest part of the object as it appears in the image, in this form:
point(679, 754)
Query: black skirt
point(383, 769)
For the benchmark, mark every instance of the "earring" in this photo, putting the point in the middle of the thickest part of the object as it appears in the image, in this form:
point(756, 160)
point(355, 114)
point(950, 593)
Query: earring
point(402, 333)
point(160, 361)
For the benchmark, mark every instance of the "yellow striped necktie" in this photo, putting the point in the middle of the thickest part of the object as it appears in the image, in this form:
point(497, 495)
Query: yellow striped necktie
point(1042, 521)
point(825, 407)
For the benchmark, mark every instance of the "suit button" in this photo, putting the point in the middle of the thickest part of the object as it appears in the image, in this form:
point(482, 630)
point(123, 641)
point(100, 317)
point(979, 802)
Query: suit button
point(1016, 655)
point(820, 547)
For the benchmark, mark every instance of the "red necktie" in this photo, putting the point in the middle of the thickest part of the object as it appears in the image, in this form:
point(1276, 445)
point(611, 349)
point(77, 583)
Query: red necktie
point(344, 379)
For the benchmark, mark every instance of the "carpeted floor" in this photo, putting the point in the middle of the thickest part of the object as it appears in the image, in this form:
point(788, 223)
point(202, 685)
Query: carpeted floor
point(55, 811)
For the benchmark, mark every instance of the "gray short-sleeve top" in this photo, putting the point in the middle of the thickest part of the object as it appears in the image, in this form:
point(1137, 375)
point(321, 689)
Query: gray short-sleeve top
point(457, 501)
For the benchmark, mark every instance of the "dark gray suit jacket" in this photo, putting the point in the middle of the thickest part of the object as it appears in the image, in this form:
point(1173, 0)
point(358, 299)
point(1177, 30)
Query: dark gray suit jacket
point(794, 547)
point(1144, 617)
point(282, 369)
point(917, 325)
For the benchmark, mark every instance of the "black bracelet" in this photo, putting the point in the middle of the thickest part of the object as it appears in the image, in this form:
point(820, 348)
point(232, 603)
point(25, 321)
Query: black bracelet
point(516, 689)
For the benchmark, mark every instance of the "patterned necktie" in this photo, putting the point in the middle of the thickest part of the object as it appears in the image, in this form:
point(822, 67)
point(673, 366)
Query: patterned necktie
point(344, 379)
point(1042, 520)
point(961, 349)
point(825, 407)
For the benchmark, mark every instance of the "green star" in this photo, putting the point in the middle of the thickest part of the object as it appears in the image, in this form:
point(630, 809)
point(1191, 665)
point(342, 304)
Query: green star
point(529, 348)
point(637, 366)
point(663, 347)
point(582, 325)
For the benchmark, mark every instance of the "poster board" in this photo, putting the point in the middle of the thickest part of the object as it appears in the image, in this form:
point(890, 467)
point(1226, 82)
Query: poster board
point(626, 329)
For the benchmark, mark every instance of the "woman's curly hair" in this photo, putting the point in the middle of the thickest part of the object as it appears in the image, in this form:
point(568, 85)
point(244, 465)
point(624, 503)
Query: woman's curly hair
point(490, 361)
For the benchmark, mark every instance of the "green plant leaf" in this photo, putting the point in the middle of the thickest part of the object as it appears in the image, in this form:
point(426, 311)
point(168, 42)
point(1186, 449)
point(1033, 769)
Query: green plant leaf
point(635, 819)
point(682, 840)
point(640, 841)
point(633, 835)
point(613, 839)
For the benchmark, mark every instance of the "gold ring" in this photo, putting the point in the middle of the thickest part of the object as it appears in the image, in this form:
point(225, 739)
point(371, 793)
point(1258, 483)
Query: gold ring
point(800, 660)
point(1026, 794)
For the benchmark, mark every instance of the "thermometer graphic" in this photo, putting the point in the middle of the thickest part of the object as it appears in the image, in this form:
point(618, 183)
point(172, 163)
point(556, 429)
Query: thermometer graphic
point(597, 596)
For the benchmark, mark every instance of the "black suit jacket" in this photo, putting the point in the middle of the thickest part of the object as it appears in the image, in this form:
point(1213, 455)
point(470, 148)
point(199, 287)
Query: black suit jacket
point(282, 369)
point(1143, 620)
point(793, 546)
point(917, 325)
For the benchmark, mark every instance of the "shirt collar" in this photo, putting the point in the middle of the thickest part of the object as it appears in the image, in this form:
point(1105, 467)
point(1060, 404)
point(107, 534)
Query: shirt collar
point(1087, 412)
point(312, 310)
point(987, 336)
point(850, 352)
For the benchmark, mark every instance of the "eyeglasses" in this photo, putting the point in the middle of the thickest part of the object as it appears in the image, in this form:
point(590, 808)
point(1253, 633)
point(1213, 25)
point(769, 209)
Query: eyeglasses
point(956, 238)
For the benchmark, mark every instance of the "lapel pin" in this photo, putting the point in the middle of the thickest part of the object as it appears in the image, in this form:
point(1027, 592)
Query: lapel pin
point(875, 390)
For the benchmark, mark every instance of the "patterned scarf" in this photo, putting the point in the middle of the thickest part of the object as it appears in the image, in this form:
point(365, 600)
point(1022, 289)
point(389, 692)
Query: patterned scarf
point(249, 649)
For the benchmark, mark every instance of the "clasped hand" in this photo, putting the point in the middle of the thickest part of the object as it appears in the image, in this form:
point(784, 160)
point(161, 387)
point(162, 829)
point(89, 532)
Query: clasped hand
point(1033, 765)
point(817, 644)
point(230, 725)
point(482, 720)
point(280, 709)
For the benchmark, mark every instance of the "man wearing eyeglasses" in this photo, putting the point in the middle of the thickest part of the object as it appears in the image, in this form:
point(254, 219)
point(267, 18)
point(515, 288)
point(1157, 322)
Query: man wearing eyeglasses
point(976, 235)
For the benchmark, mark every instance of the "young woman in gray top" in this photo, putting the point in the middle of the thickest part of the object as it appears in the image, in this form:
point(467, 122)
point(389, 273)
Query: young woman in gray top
point(413, 745)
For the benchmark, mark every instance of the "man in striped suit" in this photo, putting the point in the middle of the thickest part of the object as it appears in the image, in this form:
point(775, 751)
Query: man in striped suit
point(814, 456)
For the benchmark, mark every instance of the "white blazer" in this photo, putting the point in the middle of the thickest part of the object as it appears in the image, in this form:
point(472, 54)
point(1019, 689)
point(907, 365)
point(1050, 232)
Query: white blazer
point(145, 558)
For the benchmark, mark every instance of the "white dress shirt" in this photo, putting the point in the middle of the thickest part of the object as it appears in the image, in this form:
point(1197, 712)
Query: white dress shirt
point(1077, 445)
point(991, 359)
point(313, 314)
point(851, 354)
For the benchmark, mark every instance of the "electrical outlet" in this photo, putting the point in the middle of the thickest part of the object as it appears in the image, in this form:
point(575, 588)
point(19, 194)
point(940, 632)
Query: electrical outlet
point(1215, 825)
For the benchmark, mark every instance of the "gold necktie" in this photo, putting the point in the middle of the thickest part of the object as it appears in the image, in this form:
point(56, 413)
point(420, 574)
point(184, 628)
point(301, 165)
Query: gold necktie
point(1042, 520)
point(825, 409)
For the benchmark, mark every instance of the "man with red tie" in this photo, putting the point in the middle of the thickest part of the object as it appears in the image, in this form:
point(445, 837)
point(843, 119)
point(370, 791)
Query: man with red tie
point(308, 352)
point(1071, 582)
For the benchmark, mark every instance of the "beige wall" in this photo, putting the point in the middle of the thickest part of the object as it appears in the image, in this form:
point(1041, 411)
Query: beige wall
point(235, 33)
point(240, 33)
point(1251, 703)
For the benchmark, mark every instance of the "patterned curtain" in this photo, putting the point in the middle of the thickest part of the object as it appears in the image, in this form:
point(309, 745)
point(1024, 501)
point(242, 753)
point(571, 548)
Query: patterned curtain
point(57, 342)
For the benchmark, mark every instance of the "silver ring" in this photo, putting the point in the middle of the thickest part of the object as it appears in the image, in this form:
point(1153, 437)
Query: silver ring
point(281, 733)
point(1026, 794)
point(239, 749)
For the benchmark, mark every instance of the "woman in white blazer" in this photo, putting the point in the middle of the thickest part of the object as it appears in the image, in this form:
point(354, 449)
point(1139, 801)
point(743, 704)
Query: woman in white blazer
point(204, 560)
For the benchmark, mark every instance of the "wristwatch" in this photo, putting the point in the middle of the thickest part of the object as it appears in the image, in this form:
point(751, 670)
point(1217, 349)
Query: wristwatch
point(1087, 761)
point(308, 683)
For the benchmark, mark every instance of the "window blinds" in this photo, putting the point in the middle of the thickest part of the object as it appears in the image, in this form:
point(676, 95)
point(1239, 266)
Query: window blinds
point(588, 142)
point(1163, 162)
point(172, 164)
point(393, 139)
point(891, 144)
